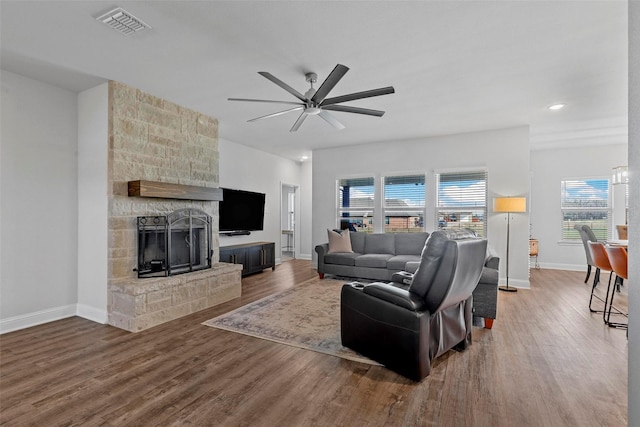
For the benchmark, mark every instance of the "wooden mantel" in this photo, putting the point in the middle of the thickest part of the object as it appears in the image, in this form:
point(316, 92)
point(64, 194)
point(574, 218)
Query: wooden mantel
point(165, 190)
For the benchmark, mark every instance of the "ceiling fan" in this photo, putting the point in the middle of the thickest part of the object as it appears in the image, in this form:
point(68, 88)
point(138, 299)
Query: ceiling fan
point(315, 102)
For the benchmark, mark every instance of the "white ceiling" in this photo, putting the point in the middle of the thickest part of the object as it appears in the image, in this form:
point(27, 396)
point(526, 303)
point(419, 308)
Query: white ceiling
point(457, 66)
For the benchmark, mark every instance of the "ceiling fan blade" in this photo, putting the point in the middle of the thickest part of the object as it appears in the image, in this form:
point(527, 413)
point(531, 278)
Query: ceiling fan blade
point(276, 114)
point(332, 79)
point(331, 120)
point(283, 85)
point(266, 100)
point(298, 122)
point(358, 95)
point(356, 110)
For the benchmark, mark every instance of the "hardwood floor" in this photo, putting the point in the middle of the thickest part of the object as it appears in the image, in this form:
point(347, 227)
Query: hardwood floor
point(547, 361)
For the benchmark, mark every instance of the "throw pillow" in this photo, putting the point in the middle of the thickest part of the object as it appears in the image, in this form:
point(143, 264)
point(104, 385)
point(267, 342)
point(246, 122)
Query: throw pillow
point(339, 242)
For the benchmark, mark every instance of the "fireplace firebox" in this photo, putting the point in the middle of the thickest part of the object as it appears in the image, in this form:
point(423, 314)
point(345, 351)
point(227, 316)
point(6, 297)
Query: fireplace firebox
point(174, 244)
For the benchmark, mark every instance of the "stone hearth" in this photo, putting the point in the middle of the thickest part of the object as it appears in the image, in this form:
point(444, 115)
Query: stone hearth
point(143, 303)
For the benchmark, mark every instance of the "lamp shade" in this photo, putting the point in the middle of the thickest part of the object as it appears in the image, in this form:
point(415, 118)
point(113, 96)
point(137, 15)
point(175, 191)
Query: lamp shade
point(510, 204)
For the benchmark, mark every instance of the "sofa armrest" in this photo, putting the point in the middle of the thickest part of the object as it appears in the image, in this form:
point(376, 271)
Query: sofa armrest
point(394, 295)
point(492, 262)
point(321, 250)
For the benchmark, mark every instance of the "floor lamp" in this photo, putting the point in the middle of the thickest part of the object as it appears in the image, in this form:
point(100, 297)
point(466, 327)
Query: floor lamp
point(509, 205)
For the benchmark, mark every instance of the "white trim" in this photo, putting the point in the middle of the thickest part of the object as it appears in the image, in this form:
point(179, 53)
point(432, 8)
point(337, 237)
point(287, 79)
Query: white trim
point(569, 267)
point(92, 313)
point(37, 318)
point(308, 257)
point(515, 283)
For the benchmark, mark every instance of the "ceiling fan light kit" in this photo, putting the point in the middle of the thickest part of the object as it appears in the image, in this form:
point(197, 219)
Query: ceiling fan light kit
point(315, 102)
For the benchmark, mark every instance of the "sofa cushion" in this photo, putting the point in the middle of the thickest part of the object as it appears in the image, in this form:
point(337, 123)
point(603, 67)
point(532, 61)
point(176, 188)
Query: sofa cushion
point(399, 262)
point(373, 260)
point(380, 243)
point(410, 243)
point(357, 242)
point(339, 242)
point(344, 258)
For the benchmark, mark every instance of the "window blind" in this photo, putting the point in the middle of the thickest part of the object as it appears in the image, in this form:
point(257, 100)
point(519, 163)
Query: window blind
point(585, 202)
point(404, 203)
point(462, 201)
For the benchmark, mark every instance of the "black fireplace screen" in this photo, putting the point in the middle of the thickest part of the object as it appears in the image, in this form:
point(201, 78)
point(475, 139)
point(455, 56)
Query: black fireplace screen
point(174, 244)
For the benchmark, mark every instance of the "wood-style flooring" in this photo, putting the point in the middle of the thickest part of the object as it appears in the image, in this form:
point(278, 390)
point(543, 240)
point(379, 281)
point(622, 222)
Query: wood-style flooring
point(547, 361)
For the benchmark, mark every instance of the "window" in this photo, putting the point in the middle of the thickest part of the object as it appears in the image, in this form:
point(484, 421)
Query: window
point(462, 201)
point(404, 198)
point(585, 202)
point(356, 204)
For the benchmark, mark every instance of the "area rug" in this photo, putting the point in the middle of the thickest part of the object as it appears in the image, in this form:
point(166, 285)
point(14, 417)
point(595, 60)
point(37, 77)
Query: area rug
point(305, 316)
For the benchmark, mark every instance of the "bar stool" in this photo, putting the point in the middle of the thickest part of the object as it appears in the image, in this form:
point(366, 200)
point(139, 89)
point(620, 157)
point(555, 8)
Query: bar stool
point(601, 262)
point(618, 258)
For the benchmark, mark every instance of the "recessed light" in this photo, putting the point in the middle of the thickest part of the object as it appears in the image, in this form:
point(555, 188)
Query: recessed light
point(556, 107)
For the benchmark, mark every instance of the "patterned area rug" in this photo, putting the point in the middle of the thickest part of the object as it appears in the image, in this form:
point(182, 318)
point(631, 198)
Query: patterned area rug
point(305, 316)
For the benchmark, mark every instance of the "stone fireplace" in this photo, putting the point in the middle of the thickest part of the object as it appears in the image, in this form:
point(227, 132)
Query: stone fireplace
point(156, 140)
point(174, 244)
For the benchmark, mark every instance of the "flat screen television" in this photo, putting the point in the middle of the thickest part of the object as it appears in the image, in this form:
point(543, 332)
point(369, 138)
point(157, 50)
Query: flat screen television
point(241, 210)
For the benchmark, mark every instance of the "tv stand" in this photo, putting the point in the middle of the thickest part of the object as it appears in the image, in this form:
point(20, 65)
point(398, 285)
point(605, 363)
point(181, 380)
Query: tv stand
point(236, 233)
point(254, 257)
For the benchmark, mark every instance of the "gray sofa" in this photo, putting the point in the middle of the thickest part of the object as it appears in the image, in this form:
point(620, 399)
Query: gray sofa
point(378, 256)
point(375, 256)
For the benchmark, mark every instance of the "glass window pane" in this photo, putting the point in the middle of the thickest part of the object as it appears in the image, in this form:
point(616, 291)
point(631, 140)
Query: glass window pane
point(356, 204)
point(404, 202)
point(462, 201)
point(356, 193)
point(585, 202)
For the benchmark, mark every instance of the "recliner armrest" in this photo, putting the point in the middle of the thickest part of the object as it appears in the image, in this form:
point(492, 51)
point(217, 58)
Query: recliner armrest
point(402, 277)
point(394, 295)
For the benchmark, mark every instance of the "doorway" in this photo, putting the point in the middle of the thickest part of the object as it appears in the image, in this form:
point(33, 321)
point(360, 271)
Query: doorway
point(288, 222)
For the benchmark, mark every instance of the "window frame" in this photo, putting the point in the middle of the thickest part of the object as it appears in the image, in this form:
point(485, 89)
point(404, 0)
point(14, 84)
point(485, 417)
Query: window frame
point(422, 210)
point(367, 222)
point(449, 209)
point(608, 209)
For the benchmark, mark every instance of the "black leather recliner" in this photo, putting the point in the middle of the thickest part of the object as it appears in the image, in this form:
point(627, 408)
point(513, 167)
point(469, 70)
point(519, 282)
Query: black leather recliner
point(407, 323)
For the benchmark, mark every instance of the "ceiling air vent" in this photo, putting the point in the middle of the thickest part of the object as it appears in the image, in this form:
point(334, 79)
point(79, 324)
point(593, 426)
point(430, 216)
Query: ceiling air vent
point(122, 21)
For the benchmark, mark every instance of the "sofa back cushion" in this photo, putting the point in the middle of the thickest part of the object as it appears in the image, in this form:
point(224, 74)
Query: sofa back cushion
point(357, 242)
point(379, 243)
point(410, 243)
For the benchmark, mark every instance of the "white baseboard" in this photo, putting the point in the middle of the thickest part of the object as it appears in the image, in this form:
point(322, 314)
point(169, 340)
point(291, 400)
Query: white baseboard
point(92, 313)
point(36, 318)
point(515, 283)
point(569, 267)
point(305, 257)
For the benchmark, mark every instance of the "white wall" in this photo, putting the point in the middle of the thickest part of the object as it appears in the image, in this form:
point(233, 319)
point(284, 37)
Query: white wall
point(93, 227)
point(38, 202)
point(634, 213)
point(548, 168)
point(305, 244)
point(503, 153)
point(245, 168)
